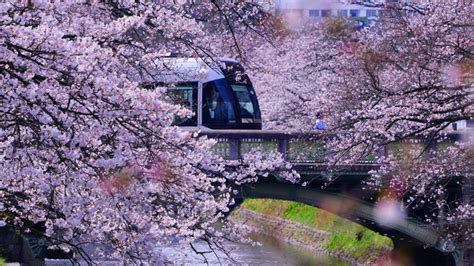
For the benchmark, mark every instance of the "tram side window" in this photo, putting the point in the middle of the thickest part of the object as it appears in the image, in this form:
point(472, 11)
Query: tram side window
point(186, 96)
point(217, 107)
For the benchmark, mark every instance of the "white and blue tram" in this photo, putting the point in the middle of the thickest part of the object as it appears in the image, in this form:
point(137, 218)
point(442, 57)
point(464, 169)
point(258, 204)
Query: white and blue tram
point(218, 92)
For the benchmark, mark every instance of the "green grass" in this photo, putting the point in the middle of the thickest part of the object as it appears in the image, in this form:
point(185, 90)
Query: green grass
point(300, 213)
point(269, 207)
point(345, 237)
point(362, 244)
point(2, 262)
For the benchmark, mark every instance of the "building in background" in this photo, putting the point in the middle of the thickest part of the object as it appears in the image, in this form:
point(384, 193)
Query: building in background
point(316, 9)
point(297, 12)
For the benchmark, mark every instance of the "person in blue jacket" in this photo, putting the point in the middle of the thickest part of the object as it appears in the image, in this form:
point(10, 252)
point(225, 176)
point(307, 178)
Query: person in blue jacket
point(320, 124)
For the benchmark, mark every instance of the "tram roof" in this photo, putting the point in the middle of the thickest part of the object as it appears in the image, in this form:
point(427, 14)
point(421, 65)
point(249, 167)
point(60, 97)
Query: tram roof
point(188, 69)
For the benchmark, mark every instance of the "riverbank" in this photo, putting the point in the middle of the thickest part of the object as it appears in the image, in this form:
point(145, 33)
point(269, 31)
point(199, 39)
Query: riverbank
point(313, 229)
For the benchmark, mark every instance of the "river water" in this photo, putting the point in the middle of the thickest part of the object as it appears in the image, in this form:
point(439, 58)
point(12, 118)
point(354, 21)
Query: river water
point(271, 252)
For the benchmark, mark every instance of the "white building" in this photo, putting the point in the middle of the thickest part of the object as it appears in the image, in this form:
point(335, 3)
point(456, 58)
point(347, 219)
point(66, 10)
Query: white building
point(296, 12)
point(324, 8)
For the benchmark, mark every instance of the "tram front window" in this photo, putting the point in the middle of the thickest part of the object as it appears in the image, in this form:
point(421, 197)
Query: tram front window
point(247, 101)
point(217, 104)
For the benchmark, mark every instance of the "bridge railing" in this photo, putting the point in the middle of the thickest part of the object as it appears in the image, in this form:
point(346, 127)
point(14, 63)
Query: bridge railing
point(234, 144)
point(294, 147)
point(306, 147)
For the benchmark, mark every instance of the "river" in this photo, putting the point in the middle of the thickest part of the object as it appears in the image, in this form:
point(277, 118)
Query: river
point(272, 252)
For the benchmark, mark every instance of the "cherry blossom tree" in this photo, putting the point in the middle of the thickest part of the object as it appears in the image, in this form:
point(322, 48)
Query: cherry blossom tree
point(88, 155)
point(287, 71)
point(287, 74)
point(406, 78)
point(409, 77)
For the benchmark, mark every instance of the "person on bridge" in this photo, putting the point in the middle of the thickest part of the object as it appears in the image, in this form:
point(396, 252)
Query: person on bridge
point(320, 124)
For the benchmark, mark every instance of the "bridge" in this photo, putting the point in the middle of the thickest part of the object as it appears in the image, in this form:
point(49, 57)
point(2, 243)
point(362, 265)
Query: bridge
point(339, 190)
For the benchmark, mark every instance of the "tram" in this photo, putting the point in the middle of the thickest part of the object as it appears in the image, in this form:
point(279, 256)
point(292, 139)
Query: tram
point(218, 92)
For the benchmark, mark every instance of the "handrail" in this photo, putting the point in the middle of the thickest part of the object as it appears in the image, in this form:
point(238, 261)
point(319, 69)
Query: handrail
point(285, 142)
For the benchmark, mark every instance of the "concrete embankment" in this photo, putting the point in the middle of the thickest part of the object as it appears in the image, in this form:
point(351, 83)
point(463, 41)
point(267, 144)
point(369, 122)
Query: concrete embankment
point(353, 246)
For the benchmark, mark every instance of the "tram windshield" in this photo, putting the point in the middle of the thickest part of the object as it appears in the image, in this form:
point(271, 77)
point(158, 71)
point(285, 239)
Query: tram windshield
point(217, 103)
point(247, 101)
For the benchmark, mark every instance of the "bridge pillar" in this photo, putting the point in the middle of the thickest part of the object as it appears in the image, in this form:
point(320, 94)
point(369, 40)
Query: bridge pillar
point(283, 147)
point(234, 148)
